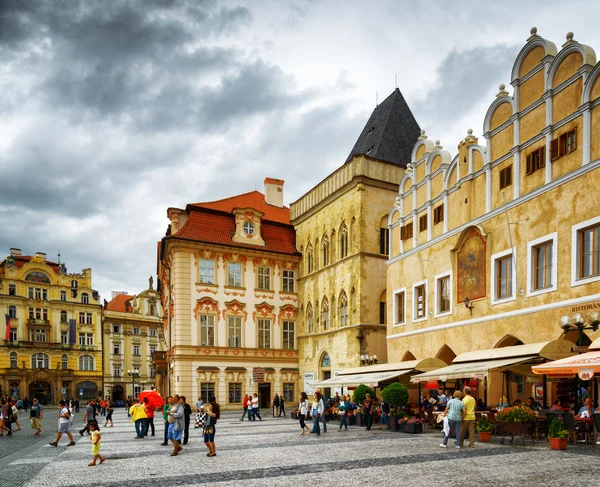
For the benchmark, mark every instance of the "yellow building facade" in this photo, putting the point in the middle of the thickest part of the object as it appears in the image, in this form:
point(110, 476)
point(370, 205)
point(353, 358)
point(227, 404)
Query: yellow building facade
point(492, 245)
point(341, 232)
point(53, 346)
point(133, 332)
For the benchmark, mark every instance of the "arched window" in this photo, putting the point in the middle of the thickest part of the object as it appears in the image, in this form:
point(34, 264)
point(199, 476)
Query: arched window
point(309, 319)
point(14, 360)
point(343, 241)
point(343, 309)
point(325, 315)
point(40, 361)
point(65, 361)
point(85, 298)
point(74, 284)
point(12, 311)
point(384, 237)
point(86, 362)
point(63, 316)
point(325, 250)
point(309, 259)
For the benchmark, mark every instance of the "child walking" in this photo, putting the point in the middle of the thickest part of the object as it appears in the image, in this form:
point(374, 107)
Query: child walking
point(96, 437)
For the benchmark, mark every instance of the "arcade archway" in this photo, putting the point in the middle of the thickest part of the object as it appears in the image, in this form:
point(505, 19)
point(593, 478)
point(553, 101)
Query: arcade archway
point(42, 391)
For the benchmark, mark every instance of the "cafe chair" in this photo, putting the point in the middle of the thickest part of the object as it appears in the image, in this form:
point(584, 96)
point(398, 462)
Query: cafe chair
point(596, 418)
point(569, 424)
point(551, 417)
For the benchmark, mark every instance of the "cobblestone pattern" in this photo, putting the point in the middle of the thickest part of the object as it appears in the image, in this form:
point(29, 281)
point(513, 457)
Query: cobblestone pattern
point(271, 450)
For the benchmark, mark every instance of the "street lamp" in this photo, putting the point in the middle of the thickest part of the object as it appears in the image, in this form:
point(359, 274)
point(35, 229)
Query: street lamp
point(579, 322)
point(134, 374)
point(366, 359)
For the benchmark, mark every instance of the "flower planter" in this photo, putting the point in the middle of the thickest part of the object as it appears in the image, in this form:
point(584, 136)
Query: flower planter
point(511, 428)
point(358, 417)
point(558, 443)
point(392, 423)
point(414, 428)
point(485, 436)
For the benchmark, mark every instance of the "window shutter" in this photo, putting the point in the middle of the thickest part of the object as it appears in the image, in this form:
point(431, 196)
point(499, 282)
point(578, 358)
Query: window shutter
point(502, 179)
point(554, 149)
point(574, 136)
point(528, 165)
point(410, 230)
point(542, 156)
point(402, 233)
point(508, 176)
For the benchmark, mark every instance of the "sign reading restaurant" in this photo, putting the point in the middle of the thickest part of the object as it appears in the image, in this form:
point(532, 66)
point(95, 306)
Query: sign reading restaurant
point(585, 307)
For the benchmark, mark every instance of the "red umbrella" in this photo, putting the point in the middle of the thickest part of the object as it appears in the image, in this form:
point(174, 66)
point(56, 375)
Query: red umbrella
point(155, 400)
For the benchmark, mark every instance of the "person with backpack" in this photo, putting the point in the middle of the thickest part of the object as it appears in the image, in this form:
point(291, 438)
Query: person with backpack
point(36, 413)
point(214, 413)
point(63, 425)
point(276, 405)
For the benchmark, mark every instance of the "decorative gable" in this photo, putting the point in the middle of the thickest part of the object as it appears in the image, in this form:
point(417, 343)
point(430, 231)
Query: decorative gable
point(248, 226)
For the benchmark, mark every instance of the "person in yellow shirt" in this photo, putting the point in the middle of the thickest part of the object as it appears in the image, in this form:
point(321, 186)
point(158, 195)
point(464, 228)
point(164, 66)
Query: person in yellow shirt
point(468, 421)
point(139, 417)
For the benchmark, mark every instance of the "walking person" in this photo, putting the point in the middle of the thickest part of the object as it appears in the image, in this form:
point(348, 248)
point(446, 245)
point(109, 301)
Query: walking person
point(76, 402)
point(139, 418)
point(367, 412)
point(89, 416)
point(255, 411)
point(187, 412)
point(455, 411)
point(26, 404)
point(303, 411)
point(165, 409)
point(199, 412)
point(176, 424)
point(36, 413)
point(317, 411)
point(245, 404)
point(384, 411)
point(214, 413)
point(63, 425)
point(468, 418)
point(281, 407)
point(343, 412)
point(109, 412)
point(149, 417)
point(95, 438)
point(276, 405)
point(103, 406)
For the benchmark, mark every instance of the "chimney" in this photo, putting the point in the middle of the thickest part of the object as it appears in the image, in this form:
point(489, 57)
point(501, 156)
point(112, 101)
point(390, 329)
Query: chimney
point(41, 255)
point(15, 252)
point(274, 192)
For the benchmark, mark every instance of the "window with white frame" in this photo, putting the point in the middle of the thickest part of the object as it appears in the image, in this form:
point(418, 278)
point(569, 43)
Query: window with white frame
point(65, 361)
point(12, 311)
point(12, 334)
point(207, 330)
point(136, 390)
point(152, 332)
point(419, 301)
point(86, 339)
point(152, 372)
point(85, 298)
point(207, 390)
point(264, 333)
point(288, 281)
point(264, 278)
point(86, 362)
point(207, 271)
point(14, 360)
point(585, 252)
point(63, 316)
point(116, 329)
point(117, 348)
point(136, 350)
point(64, 337)
point(117, 371)
point(234, 331)
point(38, 314)
point(81, 318)
point(343, 309)
point(235, 392)
point(40, 361)
point(234, 274)
point(443, 294)
point(38, 335)
point(63, 295)
point(136, 330)
point(503, 277)
point(152, 349)
point(400, 306)
point(89, 319)
point(289, 335)
point(542, 265)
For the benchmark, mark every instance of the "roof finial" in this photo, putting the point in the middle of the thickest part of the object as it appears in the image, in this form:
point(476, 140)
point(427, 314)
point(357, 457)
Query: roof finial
point(533, 31)
point(422, 136)
point(437, 145)
point(502, 91)
point(570, 39)
point(470, 132)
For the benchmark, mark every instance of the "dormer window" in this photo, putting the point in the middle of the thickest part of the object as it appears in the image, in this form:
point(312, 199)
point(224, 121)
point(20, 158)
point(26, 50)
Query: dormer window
point(248, 222)
point(249, 228)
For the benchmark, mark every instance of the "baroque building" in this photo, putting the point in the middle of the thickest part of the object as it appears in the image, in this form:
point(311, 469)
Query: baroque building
point(228, 279)
point(492, 244)
point(52, 345)
point(341, 232)
point(133, 332)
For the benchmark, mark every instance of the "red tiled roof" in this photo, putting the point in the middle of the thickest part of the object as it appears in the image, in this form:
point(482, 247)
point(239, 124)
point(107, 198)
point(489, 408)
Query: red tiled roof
point(211, 227)
point(253, 199)
point(118, 303)
point(21, 260)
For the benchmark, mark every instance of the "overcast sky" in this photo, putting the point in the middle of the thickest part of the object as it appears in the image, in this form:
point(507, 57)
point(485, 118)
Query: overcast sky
point(113, 111)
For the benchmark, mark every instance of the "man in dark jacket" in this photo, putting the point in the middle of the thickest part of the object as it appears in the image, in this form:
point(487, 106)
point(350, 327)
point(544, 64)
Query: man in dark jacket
point(187, 412)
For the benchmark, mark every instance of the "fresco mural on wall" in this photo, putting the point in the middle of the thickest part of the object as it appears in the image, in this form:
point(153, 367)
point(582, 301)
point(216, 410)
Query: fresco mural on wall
point(471, 278)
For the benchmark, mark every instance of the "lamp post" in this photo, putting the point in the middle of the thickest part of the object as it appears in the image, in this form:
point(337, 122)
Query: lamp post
point(579, 322)
point(134, 374)
point(366, 359)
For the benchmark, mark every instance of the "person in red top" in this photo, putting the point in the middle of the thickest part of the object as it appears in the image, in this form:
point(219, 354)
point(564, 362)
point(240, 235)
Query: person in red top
point(103, 405)
point(149, 416)
point(246, 401)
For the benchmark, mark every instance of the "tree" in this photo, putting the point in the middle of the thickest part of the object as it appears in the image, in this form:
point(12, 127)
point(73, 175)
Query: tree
point(395, 394)
point(361, 392)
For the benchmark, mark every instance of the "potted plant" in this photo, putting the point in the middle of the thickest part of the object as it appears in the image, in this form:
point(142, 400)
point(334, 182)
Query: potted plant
point(360, 393)
point(558, 435)
point(519, 420)
point(411, 425)
point(397, 396)
point(484, 428)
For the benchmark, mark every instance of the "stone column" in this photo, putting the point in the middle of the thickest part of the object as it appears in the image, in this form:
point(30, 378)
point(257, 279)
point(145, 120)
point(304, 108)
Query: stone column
point(222, 387)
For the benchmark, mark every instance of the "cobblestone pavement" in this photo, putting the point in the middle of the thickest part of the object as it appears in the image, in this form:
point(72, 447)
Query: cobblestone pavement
point(271, 452)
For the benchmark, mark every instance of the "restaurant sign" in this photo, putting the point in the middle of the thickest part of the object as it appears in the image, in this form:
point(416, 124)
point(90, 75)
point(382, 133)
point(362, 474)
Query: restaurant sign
point(586, 374)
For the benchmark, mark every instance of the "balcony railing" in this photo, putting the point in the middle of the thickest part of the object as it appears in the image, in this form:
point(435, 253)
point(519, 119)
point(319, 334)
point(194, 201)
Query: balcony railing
point(38, 322)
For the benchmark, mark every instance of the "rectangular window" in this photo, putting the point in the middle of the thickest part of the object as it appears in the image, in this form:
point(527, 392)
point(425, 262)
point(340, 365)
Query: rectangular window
point(264, 333)
point(399, 307)
point(406, 231)
point(422, 223)
point(506, 177)
point(288, 392)
point(264, 278)
point(12, 311)
point(38, 293)
point(13, 335)
point(63, 295)
point(152, 332)
point(89, 318)
point(235, 392)
point(12, 290)
point(207, 271)
point(288, 281)
point(136, 330)
point(207, 390)
point(344, 312)
point(564, 144)
point(438, 214)
point(64, 338)
point(117, 349)
point(40, 335)
point(234, 274)
point(152, 349)
point(536, 160)
point(382, 313)
point(234, 331)
point(136, 350)
point(30, 293)
point(81, 318)
point(116, 329)
point(520, 385)
point(384, 241)
point(289, 335)
point(504, 277)
point(136, 390)
point(207, 330)
point(89, 339)
point(588, 243)
point(152, 372)
point(443, 294)
point(117, 371)
point(542, 265)
point(420, 305)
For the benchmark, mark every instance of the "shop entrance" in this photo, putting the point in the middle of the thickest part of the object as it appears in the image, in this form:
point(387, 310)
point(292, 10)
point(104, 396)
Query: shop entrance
point(118, 393)
point(264, 394)
point(86, 391)
point(42, 391)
